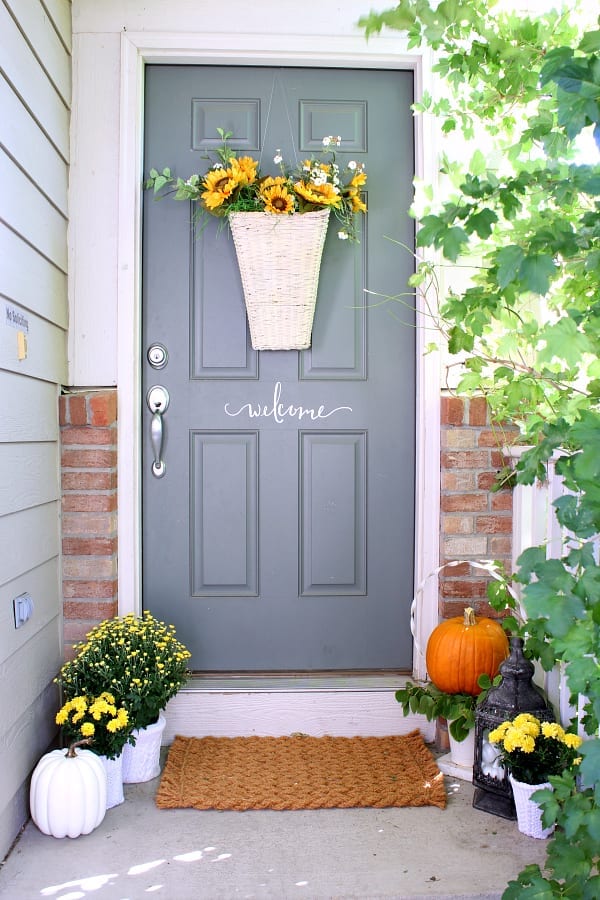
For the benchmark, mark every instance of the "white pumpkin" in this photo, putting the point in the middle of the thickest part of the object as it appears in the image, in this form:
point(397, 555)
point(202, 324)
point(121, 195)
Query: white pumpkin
point(67, 796)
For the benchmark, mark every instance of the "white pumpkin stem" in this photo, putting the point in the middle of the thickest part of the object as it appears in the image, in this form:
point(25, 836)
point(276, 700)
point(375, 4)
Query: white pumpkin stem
point(469, 617)
point(83, 742)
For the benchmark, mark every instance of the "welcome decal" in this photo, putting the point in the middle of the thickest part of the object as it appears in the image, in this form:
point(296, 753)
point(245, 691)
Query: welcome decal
point(279, 412)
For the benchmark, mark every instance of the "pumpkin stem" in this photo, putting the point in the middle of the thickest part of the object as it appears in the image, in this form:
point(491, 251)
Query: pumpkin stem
point(469, 617)
point(71, 751)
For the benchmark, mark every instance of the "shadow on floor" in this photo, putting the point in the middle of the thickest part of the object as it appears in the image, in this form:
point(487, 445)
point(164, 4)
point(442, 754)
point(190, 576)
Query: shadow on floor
point(139, 851)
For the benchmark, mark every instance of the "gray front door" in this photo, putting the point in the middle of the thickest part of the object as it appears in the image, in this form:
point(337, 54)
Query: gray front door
point(281, 541)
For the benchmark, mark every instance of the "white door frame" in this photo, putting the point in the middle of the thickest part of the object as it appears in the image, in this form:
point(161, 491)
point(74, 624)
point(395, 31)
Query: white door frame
point(139, 48)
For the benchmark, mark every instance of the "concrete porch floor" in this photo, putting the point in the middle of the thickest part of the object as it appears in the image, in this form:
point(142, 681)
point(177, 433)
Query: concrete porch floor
point(140, 851)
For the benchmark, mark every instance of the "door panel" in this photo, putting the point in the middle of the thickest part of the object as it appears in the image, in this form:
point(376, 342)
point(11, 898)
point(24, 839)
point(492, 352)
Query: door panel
point(281, 536)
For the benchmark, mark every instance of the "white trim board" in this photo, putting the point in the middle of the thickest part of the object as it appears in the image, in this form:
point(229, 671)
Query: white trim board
point(137, 49)
point(198, 713)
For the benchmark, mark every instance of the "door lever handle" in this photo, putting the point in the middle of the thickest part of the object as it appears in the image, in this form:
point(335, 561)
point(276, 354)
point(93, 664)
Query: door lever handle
point(157, 400)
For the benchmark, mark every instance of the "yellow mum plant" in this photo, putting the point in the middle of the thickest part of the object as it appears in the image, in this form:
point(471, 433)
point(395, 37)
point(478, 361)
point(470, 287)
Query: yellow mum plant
point(235, 184)
point(532, 750)
point(96, 720)
point(137, 659)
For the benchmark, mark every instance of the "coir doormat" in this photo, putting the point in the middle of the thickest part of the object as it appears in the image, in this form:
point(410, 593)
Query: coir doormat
point(300, 772)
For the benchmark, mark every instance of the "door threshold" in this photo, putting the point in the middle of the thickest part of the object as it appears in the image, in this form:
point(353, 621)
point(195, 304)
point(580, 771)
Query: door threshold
point(340, 703)
point(291, 681)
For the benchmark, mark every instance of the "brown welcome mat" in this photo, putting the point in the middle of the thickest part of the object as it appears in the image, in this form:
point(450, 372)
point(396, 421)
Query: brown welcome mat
point(300, 772)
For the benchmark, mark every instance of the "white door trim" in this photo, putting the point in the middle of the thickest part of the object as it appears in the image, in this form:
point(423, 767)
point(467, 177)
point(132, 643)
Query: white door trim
point(139, 48)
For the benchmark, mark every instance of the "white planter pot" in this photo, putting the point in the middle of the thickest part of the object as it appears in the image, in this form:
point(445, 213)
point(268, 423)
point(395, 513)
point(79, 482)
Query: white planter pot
point(114, 780)
point(529, 815)
point(142, 761)
point(463, 752)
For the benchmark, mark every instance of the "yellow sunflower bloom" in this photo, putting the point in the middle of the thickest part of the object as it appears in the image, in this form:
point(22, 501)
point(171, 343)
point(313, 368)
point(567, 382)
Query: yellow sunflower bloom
point(358, 180)
point(277, 199)
point(219, 185)
point(244, 170)
point(358, 205)
point(320, 194)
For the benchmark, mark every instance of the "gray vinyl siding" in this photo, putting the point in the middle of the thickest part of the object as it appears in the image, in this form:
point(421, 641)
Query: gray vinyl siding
point(35, 101)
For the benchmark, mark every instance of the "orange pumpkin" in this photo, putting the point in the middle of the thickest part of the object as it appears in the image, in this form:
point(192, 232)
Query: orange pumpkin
point(461, 649)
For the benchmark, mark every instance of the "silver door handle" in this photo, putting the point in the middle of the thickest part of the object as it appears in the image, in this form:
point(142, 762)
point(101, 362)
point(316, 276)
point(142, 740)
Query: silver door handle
point(157, 400)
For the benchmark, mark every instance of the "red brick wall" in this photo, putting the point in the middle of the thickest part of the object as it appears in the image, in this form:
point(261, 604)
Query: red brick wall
point(88, 427)
point(475, 523)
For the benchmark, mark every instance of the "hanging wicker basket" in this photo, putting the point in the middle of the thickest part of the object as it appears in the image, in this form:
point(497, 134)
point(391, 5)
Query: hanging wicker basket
point(279, 259)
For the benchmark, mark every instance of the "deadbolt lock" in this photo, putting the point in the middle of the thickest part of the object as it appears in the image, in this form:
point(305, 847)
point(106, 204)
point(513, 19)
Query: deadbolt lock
point(158, 356)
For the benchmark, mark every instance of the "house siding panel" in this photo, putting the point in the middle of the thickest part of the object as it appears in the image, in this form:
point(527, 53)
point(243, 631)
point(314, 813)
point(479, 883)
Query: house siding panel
point(34, 105)
point(24, 140)
point(31, 82)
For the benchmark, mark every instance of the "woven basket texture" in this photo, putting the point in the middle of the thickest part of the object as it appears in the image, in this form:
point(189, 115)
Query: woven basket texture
point(529, 815)
point(279, 257)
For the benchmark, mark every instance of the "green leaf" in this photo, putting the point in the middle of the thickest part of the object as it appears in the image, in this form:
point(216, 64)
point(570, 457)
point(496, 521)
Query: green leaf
point(536, 271)
point(590, 764)
point(459, 340)
point(509, 261)
point(482, 222)
point(431, 229)
point(590, 42)
point(478, 163)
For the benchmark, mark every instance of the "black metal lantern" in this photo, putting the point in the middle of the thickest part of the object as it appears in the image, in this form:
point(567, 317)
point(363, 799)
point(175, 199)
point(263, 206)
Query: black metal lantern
point(515, 694)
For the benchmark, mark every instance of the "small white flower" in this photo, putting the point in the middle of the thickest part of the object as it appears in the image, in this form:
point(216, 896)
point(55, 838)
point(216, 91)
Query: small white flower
point(278, 158)
point(343, 235)
point(327, 141)
point(352, 164)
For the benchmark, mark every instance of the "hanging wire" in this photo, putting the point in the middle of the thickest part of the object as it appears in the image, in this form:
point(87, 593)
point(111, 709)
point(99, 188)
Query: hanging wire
point(277, 81)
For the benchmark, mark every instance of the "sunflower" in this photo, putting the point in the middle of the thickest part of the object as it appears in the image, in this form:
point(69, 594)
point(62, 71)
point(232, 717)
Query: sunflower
point(219, 185)
point(244, 170)
point(320, 194)
point(357, 204)
point(358, 180)
point(276, 197)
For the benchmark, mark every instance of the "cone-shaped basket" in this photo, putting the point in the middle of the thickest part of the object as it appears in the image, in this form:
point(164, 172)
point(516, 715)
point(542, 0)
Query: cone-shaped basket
point(279, 258)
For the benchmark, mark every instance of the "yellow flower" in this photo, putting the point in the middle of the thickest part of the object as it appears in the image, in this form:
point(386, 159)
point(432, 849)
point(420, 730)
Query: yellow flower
point(219, 185)
point(88, 729)
point(359, 179)
point(498, 733)
point(244, 169)
point(277, 200)
point(319, 194)
point(527, 743)
point(525, 719)
point(357, 204)
point(572, 740)
point(553, 730)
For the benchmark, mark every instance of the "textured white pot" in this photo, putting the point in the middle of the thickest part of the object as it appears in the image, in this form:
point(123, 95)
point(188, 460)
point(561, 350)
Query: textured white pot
point(529, 815)
point(114, 780)
point(142, 761)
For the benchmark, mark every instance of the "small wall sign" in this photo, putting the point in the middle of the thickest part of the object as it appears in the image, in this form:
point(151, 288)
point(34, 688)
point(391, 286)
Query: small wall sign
point(14, 318)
